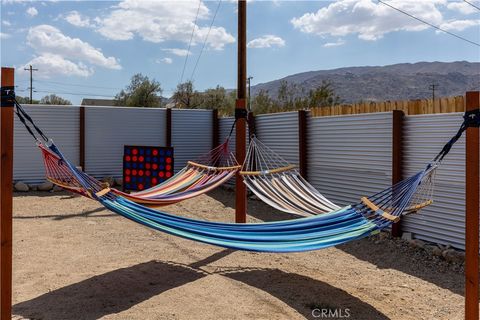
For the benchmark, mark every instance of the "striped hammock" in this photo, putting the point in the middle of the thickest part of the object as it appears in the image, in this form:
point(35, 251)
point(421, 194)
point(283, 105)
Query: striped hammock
point(356, 221)
point(207, 173)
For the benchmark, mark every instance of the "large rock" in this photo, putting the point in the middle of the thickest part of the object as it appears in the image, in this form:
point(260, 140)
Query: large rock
point(452, 255)
point(21, 186)
point(46, 186)
point(416, 243)
point(33, 187)
point(57, 188)
point(109, 180)
point(119, 181)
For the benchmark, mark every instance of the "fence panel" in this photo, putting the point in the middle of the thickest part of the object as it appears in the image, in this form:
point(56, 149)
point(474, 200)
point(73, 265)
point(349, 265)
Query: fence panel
point(191, 134)
point(350, 156)
point(108, 129)
point(279, 131)
point(61, 123)
point(444, 220)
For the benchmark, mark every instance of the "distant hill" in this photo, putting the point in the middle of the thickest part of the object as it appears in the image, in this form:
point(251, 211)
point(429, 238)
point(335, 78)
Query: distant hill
point(393, 82)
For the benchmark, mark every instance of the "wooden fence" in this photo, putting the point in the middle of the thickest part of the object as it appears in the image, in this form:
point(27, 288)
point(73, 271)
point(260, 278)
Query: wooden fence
point(420, 106)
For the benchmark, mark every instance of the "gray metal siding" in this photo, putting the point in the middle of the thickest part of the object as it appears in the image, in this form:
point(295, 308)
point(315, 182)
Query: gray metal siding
point(191, 134)
point(350, 156)
point(60, 123)
point(444, 220)
point(279, 131)
point(108, 129)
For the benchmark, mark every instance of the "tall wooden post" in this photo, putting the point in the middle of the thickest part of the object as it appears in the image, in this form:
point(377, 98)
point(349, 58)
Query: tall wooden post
point(240, 188)
point(6, 177)
point(215, 129)
point(302, 143)
point(397, 159)
point(472, 212)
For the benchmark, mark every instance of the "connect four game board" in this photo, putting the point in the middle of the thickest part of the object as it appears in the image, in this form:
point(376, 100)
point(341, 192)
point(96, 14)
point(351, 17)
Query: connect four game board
point(146, 166)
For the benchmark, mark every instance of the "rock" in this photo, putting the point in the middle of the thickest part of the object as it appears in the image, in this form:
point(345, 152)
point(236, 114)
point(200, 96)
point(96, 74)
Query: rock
point(254, 197)
point(109, 180)
point(46, 186)
point(21, 186)
point(384, 235)
point(416, 243)
point(118, 181)
point(437, 251)
point(57, 189)
point(407, 236)
point(452, 255)
point(430, 248)
point(33, 187)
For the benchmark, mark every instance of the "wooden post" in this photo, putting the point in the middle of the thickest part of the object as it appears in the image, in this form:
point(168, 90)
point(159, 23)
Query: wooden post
point(472, 211)
point(82, 138)
point(240, 105)
point(215, 129)
point(302, 143)
point(168, 128)
point(6, 179)
point(397, 161)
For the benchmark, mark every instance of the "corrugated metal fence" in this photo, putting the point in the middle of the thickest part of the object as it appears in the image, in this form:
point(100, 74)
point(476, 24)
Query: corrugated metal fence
point(60, 124)
point(348, 156)
point(444, 220)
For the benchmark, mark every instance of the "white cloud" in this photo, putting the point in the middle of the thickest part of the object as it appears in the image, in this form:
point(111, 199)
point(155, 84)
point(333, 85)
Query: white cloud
point(369, 19)
point(458, 25)
point(463, 7)
point(165, 60)
point(6, 23)
point(76, 19)
point(32, 12)
point(266, 41)
point(52, 64)
point(177, 52)
point(46, 39)
point(159, 21)
point(4, 35)
point(339, 42)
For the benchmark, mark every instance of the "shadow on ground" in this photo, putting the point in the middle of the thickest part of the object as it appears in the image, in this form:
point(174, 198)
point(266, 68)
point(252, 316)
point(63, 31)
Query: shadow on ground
point(84, 214)
point(121, 289)
point(108, 293)
point(388, 255)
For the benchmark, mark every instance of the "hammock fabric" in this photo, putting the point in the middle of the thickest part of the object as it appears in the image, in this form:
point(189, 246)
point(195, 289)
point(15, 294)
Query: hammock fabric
point(279, 184)
point(359, 220)
point(210, 171)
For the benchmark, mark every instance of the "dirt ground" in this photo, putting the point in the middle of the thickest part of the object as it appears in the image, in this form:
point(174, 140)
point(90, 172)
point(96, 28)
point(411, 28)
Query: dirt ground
point(75, 260)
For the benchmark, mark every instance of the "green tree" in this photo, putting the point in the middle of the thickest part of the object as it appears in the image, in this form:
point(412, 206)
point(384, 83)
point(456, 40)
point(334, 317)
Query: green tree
point(262, 103)
point(141, 92)
point(186, 97)
point(323, 96)
point(54, 99)
point(25, 100)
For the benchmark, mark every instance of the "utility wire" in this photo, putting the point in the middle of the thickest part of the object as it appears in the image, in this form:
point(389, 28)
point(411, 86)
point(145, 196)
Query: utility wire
point(77, 85)
point(190, 43)
point(206, 38)
point(473, 5)
point(431, 25)
point(73, 93)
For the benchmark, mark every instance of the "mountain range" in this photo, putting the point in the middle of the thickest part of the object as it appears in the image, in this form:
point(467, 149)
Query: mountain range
point(402, 81)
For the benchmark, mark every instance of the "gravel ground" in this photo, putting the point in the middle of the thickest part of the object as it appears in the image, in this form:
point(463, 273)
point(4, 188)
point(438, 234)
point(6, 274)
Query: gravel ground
point(75, 260)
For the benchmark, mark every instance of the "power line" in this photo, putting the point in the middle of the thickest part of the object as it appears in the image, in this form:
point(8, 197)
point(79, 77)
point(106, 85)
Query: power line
point(77, 85)
point(206, 38)
point(431, 25)
point(473, 5)
point(190, 43)
point(73, 93)
point(31, 80)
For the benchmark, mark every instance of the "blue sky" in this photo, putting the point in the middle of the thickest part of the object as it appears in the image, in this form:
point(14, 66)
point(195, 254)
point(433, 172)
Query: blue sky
point(92, 48)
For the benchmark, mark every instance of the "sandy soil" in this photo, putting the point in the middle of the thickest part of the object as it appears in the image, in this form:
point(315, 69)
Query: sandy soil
point(74, 260)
